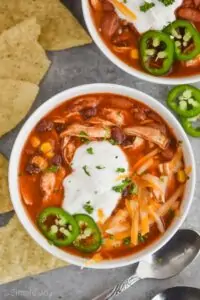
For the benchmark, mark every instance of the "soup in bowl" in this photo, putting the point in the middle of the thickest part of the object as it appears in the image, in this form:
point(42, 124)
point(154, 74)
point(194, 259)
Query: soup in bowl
point(101, 179)
point(156, 40)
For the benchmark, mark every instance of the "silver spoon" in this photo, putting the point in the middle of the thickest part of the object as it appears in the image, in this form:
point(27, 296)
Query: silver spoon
point(180, 293)
point(167, 262)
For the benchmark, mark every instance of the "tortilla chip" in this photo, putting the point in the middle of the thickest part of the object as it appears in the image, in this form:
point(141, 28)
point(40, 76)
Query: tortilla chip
point(59, 29)
point(16, 98)
point(20, 256)
point(22, 70)
point(21, 43)
point(62, 30)
point(5, 202)
point(25, 31)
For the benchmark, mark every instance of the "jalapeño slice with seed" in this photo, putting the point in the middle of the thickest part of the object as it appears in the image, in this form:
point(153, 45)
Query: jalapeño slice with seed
point(156, 52)
point(58, 226)
point(184, 100)
point(186, 39)
point(89, 239)
point(191, 125)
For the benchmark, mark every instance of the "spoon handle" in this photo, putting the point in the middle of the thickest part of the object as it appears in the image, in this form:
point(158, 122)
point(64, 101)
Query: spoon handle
point(118, 289)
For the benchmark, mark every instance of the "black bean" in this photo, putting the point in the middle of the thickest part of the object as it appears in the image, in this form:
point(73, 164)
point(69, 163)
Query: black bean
point(88, 112)
point(168, 153)
point(44, 126)
point(32, 169)
point(59, 127)
point(139, 116)
point(118, 135)
point(127, 142)
point(57, 160)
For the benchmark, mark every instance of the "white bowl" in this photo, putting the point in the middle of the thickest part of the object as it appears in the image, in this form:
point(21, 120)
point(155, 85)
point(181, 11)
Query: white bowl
point(49, 106)
point(122, 65)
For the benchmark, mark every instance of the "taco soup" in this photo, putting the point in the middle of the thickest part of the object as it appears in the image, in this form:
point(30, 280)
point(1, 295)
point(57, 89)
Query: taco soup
point(159, 37)
point(102, 176)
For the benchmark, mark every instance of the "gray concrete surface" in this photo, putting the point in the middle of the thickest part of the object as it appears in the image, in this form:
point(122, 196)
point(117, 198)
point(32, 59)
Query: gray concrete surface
point(71, 68)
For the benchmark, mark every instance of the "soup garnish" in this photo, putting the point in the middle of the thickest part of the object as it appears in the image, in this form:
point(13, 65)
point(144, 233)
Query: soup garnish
point(102, 176)
point(185, 101)
point(159, 37)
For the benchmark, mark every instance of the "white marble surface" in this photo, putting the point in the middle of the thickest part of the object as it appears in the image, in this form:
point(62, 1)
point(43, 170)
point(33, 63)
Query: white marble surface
point(71, 68)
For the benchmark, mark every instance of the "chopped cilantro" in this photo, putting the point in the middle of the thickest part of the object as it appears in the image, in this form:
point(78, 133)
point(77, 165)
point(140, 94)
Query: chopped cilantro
point(113, 142)
point(52, 169)
point(90, 150)
point(88, 207)
point(146, 6)
point(119, 188)
point(133, 190)
point(83, 135)
point(100, 167)
point(120, 170)
point(126, 183)
point(142, 238)
point(127, 241)
point(107, 133)
point(85, 169)
point(167, 2)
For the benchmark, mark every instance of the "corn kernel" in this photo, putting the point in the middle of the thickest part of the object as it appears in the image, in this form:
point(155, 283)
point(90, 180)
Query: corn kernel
point(50, 154)
point(181, 176)
point(134, 54)
point(46, 147)
point(35, 142)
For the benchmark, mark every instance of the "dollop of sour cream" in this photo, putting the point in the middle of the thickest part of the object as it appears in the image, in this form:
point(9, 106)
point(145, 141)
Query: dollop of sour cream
point(155, 18)
point(97, 168)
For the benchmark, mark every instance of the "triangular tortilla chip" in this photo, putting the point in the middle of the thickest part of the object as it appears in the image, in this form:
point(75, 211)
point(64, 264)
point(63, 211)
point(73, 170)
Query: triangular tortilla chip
point(16, 98)
point(5, 203)
point(20, 256)
point(59, 29)
point(22, 70)
point(20, 43)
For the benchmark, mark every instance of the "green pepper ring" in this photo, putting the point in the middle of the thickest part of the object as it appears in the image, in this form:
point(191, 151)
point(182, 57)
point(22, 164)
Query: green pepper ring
point(96, 234)
point(171, 100)
point(169, 48)
point(195, 36)
point(187, 125)
point(61, 214)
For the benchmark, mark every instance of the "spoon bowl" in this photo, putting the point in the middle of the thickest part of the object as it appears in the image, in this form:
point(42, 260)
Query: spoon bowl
point(180, 293)
point(171, 259)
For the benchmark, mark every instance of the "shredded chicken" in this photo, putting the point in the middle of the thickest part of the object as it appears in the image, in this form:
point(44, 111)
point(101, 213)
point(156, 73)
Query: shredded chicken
point(47, 184)
point(100, 121)
point(86, 131)
point(116, 116)
point(80, 104)
point(151, 134)
point(68, 149)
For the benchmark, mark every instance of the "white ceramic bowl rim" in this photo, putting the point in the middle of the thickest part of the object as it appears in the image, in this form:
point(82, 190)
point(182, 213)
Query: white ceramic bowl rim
point(122, 65)
point(49, 106)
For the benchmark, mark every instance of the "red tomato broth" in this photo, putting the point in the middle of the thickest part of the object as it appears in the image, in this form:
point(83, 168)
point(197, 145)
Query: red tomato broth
point(30, 184)
point(177, 70)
